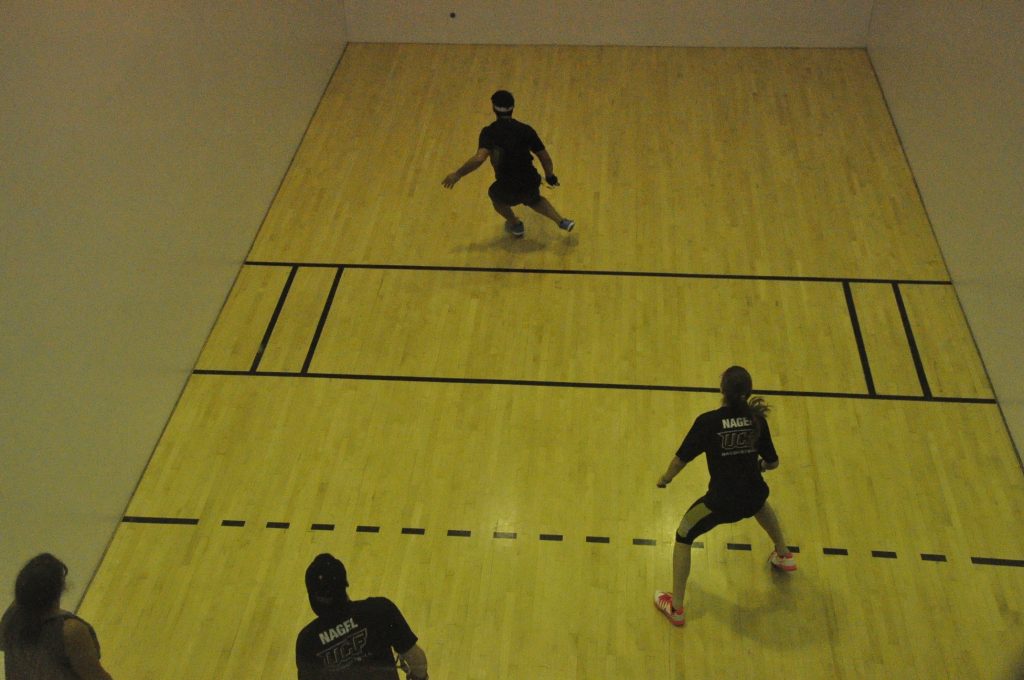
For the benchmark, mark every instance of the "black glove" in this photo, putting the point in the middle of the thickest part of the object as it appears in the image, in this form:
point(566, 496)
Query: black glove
point(552, 180)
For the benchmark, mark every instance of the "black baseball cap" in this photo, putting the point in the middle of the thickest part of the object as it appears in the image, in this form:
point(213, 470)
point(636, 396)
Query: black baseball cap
point(326, 581)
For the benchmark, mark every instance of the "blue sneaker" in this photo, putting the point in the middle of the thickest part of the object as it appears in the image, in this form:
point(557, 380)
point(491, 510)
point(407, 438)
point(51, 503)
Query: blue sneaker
point(516, 229)
point(566, 225)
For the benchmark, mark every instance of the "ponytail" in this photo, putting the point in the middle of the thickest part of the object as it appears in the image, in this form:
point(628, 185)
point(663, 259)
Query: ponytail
point(736, 387)
point(37, 590)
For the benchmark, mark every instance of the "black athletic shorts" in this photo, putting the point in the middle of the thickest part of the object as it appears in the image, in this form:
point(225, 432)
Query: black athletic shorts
point(701, 519)
point(514, 192)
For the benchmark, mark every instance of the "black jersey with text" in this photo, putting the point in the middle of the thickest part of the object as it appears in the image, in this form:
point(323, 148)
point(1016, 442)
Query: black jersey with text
point(512, 144)
point(732, 447)
point(354, 643)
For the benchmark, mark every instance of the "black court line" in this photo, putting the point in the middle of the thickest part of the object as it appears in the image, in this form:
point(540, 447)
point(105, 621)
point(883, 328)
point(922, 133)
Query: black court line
point(597, 272)
point(859, 337)
point(795, 549)
point(323, 320)
point(273, 320)
point(914, 353)
point(997, 562)
point(587, 385)
point(512, 535)
point(135, 519)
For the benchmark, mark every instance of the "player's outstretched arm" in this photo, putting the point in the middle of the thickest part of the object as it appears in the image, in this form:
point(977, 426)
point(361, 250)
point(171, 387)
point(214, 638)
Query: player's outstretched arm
point(675, 466)
point(469, 166)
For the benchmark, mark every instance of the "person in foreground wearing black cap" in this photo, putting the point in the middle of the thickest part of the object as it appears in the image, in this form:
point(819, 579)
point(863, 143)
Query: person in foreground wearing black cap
point(352, 640)
point(510, 145)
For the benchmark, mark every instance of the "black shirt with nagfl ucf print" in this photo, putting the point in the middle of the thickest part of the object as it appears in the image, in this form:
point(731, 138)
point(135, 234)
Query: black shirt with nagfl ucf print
point(512, 144)
point(730, 441)
point(354, 643)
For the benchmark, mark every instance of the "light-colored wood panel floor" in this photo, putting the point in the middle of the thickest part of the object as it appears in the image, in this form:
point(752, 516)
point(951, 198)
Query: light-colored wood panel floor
point(684, 160)
point(858, 474)
point(749, 162)
point(885, 340)
point(629, 330)
point(948, 353)
point(518, 609)
point(295, 328)
point(235, 339)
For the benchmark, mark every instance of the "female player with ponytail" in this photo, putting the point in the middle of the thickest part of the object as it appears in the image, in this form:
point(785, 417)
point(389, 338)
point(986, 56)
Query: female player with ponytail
point(738, 445)
point(41, 640)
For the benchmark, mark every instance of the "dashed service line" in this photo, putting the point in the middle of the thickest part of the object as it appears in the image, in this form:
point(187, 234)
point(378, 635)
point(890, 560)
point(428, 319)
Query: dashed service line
point(997, 562)
point(556, 538)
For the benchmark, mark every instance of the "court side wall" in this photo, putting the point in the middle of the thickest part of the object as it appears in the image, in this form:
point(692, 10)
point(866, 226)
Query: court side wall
point(715, 23)
point(142, 143)
point(953, 75)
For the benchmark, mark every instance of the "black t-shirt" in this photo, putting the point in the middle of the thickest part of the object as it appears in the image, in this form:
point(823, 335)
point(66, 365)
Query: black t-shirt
point(511, 144)
point(730, 441)
point(354, 643)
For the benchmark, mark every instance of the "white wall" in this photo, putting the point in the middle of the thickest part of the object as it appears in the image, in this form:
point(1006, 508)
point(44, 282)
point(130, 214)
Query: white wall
point(719, 23)
point(141, 143)
point(953, 75)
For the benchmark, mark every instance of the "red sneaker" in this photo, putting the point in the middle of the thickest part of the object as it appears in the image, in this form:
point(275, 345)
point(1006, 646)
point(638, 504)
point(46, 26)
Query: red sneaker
point(783, 562)
point(663, 601)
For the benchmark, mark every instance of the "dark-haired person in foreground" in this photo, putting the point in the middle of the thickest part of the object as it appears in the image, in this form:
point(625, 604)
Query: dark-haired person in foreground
point(40, 640)
point(353, 640)
point(739, 448)
point(510, 145)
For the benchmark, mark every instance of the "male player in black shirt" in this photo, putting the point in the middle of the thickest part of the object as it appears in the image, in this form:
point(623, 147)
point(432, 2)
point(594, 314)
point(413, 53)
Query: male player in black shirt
point(510, 145)
point(352, 640)
point(738, 446)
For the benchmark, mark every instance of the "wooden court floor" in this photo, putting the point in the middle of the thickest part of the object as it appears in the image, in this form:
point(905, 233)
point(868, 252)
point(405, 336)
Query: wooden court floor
point(475, 425)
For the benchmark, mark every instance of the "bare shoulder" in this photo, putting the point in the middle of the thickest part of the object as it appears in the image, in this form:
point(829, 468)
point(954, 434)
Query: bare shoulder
point(77, 633)
point(83, 650)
